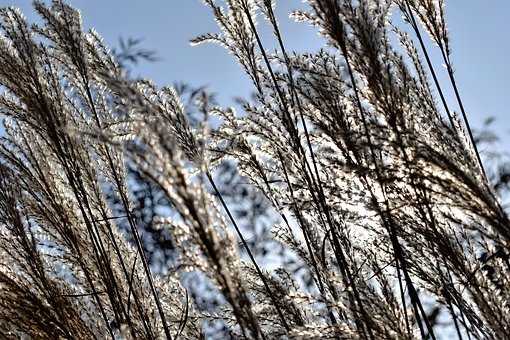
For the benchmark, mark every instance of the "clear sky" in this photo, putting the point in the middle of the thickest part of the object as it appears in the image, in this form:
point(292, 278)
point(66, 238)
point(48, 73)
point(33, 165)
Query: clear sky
point(479, 32)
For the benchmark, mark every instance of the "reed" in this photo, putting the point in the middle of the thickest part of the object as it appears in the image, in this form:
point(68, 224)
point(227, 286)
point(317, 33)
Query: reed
point(341, 202)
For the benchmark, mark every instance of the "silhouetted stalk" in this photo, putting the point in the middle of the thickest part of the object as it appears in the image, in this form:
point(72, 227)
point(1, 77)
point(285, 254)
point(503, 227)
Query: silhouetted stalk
point(295, 138)
point(84, 77)
point(339, 38)
point(429, 63)
point(63, 154)
point(132, 224)
point(307, 238)
point(86, 83)
point(322, 203)
point(449, 69)
point(297, 101)
point(403, 298)
point(248, 251)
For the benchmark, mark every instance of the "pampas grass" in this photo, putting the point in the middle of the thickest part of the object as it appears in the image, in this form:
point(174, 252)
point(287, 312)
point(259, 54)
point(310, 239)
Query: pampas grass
point(341, 202)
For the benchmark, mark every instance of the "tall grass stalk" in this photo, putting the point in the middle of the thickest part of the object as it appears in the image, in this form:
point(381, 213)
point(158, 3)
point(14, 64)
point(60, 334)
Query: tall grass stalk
point(340, 202)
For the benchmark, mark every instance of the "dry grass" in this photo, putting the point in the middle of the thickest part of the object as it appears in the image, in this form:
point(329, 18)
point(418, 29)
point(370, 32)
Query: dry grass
point(383, 223)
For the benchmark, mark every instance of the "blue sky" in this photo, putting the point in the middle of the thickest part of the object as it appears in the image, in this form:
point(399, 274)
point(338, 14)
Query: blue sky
point(479, 34)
